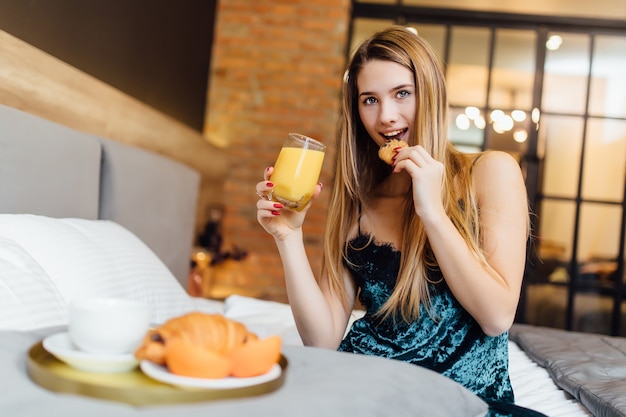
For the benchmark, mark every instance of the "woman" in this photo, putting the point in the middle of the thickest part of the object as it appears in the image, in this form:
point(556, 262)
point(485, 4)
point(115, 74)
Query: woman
point(434, 245)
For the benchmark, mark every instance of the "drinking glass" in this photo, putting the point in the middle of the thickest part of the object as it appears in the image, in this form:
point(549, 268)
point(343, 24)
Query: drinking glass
point(297, 170)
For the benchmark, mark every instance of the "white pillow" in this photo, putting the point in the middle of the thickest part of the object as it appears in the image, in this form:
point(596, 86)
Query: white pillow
point(268, 318)
point(28, 297)
point(86, 258)
point(265, 318)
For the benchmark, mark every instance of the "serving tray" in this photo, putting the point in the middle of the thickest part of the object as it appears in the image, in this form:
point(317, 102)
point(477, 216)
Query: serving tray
point(133, 387)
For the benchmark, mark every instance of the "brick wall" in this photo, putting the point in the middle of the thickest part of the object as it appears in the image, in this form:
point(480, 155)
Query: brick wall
point(277, 67)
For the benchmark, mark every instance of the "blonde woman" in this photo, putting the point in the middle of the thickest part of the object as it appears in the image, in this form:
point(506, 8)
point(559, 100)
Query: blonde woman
point(433, 244)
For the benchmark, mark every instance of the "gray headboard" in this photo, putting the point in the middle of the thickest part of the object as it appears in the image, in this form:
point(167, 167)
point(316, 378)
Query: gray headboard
point(48, 169)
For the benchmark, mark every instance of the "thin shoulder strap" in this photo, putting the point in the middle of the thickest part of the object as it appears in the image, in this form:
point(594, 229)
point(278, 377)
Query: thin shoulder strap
point(474, 161)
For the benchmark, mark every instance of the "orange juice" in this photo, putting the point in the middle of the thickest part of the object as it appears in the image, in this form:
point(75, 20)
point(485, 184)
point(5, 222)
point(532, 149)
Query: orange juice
point(296, 173)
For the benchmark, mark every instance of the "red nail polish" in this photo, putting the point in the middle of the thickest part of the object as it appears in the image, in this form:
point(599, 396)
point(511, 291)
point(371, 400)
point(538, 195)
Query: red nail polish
point(269, 184)
point(267, 169)
point(397, 149)
point(276, 213)
point(278, 205)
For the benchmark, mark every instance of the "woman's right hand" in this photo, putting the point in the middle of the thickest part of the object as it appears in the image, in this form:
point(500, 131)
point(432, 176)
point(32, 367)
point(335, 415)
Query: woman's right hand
point(276, 219)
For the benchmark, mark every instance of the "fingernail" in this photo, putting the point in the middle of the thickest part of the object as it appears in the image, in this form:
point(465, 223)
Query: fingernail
point(278, 205)
point(397, 149)
point(321, 185)
point(269, 184)
point(267, 169)
point(276, 213)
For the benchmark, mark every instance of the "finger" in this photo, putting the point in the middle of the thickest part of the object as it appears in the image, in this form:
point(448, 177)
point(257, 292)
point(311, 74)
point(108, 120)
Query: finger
point(267, 208)
point(264, 189)
point(318, 189)
point(424, 155)
point(268, 173)
point(398, 165)
point(416, 154)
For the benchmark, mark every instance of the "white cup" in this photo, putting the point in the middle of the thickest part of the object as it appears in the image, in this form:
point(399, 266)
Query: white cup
point(109, 326)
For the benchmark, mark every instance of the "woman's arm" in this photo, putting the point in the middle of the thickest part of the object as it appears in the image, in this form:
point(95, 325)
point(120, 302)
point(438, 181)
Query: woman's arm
point(320, 315)
point(490, 296)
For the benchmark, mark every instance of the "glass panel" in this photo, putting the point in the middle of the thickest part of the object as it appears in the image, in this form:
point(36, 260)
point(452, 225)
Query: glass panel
point(468, 66)
point(624, 257)
point(556, 230)
point(435, 35)
point(566, 71)
point(545, 305)
point(605, 160)
point(363, 28)
point(608, 80)
point(592, 314)
point(510, 96)
point(467, 128)
point(599, 232)
point(605, 9)
point(505, 134)
point(513, 71)
point(560, 144)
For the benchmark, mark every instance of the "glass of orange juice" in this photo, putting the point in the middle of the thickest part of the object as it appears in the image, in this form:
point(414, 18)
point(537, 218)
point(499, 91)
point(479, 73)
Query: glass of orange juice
point(297, 170)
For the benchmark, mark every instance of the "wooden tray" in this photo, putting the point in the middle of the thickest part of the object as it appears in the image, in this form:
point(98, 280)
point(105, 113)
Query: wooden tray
point(134, 387)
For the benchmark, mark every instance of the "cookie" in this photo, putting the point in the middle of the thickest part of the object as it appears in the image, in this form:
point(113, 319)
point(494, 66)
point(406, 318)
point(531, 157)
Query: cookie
point(386, 151)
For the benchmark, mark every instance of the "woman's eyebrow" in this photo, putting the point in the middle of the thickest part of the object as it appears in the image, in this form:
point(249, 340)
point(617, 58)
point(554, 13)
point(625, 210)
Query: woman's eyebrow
point(399, 87)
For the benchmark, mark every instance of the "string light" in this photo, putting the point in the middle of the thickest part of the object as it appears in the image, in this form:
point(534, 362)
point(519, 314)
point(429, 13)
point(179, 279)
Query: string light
point(500, 121)
point(518, 115)
point(554, 42)
point(480, 122)
point(520, 135)
point(462, 122)
point(472, 112)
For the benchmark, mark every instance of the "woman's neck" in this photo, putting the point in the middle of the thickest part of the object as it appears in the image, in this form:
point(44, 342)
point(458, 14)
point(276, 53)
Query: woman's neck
point(395, 185)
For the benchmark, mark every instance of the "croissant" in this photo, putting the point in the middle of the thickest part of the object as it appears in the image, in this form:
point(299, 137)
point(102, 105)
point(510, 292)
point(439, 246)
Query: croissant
point(212, 332)
point(203, 345)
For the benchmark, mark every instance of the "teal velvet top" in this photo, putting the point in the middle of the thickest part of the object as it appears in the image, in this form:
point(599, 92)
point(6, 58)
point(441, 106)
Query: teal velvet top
point(448, 340)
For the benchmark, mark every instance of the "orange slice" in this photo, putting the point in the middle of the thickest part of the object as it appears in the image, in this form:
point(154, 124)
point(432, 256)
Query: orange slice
point(186, 359)
point(255, 357)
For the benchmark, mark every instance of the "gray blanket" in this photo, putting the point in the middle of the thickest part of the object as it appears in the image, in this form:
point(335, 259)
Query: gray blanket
point(591, 367)
point(318, 382)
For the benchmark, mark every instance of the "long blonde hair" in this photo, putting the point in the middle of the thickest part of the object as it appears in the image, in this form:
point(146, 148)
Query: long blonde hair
point(359, 171)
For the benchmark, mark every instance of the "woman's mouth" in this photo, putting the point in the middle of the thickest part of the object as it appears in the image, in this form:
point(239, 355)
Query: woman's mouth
point(396, 134)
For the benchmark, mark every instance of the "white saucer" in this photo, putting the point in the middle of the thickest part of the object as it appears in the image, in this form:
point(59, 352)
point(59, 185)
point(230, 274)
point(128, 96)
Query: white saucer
point(62, 348)
point(160, 373)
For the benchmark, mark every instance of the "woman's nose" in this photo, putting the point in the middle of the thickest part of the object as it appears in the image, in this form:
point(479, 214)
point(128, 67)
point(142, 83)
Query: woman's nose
point(388, 112)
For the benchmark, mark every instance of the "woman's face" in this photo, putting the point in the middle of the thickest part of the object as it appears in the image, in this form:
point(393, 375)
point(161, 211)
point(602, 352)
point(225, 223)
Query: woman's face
point(387, 100)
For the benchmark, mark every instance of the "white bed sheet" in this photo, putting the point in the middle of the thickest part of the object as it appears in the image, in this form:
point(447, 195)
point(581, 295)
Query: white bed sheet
point(531, 383)
point(534, 388)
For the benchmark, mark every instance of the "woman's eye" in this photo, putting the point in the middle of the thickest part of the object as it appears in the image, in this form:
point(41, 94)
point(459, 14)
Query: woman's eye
point(369, 100)
point(403, 94)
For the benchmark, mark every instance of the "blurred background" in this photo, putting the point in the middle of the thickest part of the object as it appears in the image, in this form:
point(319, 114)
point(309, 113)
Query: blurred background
point(542, 80)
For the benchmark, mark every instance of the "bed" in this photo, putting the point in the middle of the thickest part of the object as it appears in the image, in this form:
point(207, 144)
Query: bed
point(82, 215)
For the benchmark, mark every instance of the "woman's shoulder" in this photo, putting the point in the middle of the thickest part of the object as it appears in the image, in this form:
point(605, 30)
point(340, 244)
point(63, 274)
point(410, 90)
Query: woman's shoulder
point(496, 170)
point(493, 157)
point(494, 162)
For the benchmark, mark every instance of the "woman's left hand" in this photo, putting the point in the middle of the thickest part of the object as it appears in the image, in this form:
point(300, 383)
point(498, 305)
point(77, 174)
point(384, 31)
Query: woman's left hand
point(427, 178)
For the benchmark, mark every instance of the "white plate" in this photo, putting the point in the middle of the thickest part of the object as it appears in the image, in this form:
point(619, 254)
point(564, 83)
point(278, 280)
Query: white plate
point(160, 373)
point(62, 348)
